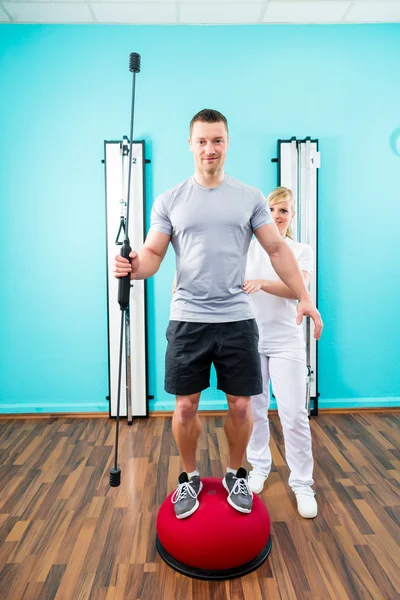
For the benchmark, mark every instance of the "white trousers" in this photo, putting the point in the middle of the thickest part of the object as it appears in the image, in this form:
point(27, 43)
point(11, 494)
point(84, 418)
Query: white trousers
point(287, 371)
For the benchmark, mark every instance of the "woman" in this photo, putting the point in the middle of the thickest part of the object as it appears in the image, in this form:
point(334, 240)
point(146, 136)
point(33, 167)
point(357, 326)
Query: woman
point(282, 354)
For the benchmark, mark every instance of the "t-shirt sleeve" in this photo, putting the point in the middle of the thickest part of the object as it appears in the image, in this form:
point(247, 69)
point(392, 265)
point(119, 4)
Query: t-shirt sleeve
point(261, 214)
point(159, 218)
point(306, 259)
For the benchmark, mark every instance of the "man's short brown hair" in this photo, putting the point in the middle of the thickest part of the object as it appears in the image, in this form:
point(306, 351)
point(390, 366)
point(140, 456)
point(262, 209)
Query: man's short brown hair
point(208, 115)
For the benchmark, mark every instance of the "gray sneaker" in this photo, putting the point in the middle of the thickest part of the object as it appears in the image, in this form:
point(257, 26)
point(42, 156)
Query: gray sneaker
point(240, 494)
point(184, 498)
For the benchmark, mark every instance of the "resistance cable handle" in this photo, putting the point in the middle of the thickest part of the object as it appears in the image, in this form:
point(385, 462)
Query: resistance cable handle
point(124, 283)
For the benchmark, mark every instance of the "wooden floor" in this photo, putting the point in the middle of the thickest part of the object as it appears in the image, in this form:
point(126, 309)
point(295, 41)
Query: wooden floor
point(65, 534)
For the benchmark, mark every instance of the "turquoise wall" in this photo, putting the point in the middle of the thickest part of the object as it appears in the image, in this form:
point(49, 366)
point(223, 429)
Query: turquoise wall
point(65, 89)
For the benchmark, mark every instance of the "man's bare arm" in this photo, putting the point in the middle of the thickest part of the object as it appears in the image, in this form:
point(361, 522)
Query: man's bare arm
point(283, 260)
point(287, 269)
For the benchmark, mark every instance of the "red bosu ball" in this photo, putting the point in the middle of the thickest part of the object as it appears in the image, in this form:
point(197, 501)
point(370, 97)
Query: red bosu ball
point(216, 541)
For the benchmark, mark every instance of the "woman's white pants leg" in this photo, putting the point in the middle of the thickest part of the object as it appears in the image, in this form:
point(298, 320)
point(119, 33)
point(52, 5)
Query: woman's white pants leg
point(258, 452)
point(287, 371)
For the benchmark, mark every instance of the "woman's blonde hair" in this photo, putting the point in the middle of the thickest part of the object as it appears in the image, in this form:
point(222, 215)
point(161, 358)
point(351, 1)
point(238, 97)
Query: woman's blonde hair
point(282, 194)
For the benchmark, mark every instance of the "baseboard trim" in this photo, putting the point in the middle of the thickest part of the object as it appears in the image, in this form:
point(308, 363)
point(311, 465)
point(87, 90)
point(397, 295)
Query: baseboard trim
point(58, 415)
point(359, 409)
point(323, 411)
point(340, 404)
point(202, 413)
point(51, 409)
point(207, 408)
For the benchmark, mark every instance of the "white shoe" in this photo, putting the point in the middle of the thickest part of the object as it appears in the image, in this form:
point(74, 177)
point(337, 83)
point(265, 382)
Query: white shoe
point(306, 502)
point(256, 481)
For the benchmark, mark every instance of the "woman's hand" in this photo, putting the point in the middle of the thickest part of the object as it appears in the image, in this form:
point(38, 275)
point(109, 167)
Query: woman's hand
point(252, 285)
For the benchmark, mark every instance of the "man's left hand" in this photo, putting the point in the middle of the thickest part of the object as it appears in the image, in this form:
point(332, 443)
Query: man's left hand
point(306, 308)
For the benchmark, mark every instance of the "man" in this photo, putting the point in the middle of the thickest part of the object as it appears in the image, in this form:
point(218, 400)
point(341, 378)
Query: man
point(210, 219)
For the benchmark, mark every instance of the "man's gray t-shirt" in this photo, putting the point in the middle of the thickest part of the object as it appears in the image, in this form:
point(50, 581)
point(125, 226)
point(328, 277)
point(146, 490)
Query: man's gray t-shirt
point(210, 231)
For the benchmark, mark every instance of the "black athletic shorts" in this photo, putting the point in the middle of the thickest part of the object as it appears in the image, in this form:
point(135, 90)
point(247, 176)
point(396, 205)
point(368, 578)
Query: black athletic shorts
point(232, 347)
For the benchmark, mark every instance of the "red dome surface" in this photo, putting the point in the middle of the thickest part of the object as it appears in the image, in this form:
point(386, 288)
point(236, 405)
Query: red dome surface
point(215, 537)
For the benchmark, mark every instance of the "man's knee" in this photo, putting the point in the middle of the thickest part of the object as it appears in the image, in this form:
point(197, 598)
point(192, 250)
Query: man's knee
point(239, 407)
point(186, 407)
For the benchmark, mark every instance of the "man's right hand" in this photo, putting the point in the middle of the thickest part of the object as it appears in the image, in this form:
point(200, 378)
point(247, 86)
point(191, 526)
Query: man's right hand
point(122, 266)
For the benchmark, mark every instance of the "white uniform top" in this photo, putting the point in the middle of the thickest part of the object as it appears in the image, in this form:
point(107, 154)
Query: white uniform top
point(276, 317)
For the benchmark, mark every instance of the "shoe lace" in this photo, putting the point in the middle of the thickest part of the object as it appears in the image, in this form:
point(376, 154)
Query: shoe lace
point(241, 487)
point(181, 491)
